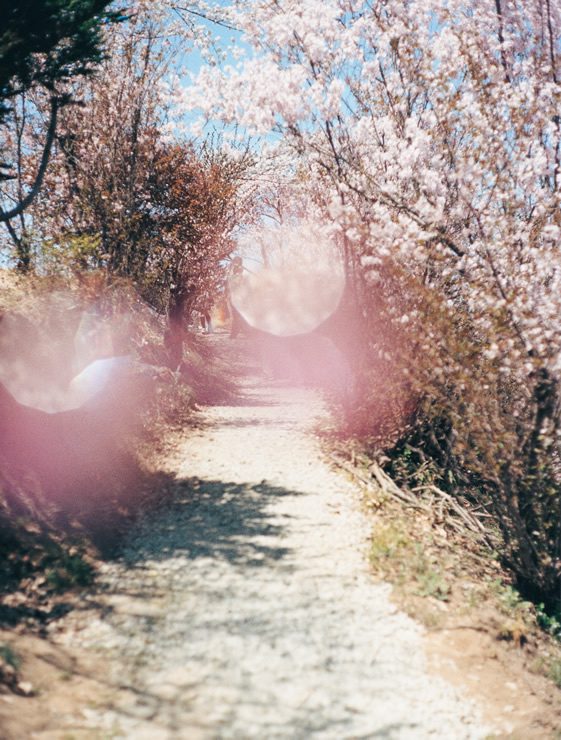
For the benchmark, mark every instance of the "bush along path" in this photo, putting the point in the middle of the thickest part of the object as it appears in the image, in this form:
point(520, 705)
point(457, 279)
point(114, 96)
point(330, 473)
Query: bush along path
point(246, 609)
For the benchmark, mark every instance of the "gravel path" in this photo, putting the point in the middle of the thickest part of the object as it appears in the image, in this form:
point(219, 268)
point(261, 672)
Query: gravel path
point(247, 610)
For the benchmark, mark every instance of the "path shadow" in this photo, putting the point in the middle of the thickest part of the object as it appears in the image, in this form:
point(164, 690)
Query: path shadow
point(242, 399)
point(10, 616)
point(253, 423)
point(217, 519)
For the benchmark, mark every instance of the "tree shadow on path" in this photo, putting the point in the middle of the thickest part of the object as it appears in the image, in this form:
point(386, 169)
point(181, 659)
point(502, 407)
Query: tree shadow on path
point(216, 519)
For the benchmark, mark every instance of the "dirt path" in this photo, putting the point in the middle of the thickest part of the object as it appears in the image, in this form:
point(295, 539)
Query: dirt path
point(247, 610)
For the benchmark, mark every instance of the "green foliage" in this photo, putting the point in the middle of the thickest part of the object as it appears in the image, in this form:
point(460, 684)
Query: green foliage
point(551, 623)
point(430, 580)
point(408, 464)
point(509, 597)
point(32, 549)
point(9, 656)
point(70, 255)
point(69, 571)
point(432, 583)
point(43, 42)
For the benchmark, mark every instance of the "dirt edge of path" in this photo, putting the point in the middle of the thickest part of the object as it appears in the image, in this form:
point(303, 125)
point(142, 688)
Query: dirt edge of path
point(480, 635)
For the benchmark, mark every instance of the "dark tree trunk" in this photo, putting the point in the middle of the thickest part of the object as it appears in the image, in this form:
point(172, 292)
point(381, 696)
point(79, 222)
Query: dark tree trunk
point(175, 334)
point(32, 194)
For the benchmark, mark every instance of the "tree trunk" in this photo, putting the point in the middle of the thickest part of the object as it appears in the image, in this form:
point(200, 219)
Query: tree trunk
point(175, 333)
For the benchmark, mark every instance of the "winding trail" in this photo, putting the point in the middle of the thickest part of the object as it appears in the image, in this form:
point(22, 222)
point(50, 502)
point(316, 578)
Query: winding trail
point(246, 609)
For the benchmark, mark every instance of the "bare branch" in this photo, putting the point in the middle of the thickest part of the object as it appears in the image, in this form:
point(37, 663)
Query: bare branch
point(5, 216)
point(204, 16)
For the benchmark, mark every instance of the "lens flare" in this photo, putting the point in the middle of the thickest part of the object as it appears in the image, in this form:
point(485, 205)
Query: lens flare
point(287, 301)
point(95, 378)
point(69, 396)
point(295, 283)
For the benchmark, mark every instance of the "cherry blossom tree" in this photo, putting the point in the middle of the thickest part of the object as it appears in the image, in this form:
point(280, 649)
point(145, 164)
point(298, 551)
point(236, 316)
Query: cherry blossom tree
point(200, 198)
point(432, 130)
point(97, 185)
point(99, 79)
point(122, 195)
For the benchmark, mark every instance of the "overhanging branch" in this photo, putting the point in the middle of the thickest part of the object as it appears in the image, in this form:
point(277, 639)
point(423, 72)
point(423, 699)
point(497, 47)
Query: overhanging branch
point(30, 197)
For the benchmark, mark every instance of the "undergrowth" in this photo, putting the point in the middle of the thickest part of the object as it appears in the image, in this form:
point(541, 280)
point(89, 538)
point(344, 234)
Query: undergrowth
point(444, 574)
point(57, 520)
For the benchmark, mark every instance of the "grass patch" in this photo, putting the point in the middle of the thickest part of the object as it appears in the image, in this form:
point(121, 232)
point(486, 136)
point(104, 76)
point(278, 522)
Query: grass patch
point(432, 583)
point(555, 672)
point(394, 553)
point(389, 541)
point(70, 572)
point(550, 623)
point(511, 602)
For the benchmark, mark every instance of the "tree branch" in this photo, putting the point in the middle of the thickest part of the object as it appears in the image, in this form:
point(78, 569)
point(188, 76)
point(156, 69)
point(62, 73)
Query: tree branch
point(502, 39)
point(30, 197)
point(13, 234)
point(204, 16)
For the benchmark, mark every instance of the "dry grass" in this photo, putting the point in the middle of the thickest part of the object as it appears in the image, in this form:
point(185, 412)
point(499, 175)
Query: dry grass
point(446, 576)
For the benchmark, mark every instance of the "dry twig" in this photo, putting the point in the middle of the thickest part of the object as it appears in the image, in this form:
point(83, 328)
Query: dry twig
point(455, 511)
